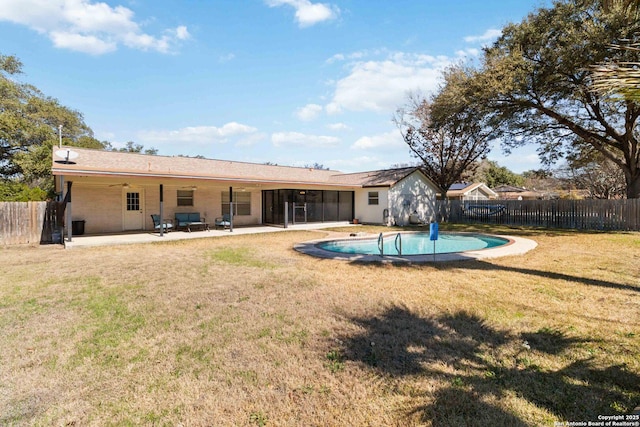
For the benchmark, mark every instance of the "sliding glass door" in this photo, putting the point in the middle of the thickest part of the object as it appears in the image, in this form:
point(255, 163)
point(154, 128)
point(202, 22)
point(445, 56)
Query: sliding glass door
point(307, 205)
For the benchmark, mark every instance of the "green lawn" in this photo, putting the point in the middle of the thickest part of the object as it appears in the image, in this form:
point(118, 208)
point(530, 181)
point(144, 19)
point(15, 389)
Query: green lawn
point(243, 330)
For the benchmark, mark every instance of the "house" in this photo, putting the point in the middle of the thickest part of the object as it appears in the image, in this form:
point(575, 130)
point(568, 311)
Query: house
point(471, 192)
point(393, 196)
point(511, 192)
point(115, 191)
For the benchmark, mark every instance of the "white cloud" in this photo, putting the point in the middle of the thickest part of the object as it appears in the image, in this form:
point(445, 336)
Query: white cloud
point(199, 134)
point(308, 13)
point(488, 36)
point(387, 140)
point(382, 86)
point(336, 57)
point(88, 26)
point(80, 43)
point(284, 139)
point(309, 112)
point(338, 126)
point(468, 53)
point(352, 56)
point(182, 33)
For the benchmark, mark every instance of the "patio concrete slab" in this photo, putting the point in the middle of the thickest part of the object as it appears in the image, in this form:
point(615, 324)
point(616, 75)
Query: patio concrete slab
point(148, 237)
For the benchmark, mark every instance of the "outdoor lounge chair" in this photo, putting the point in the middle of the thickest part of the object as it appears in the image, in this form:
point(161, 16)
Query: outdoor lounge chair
point(224, 221)
point(167, 224)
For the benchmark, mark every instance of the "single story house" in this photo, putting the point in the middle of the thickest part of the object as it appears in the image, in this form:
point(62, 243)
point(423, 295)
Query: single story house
point(471, 192)
point(115, 191)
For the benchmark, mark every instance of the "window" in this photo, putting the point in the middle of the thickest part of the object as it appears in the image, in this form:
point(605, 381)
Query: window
point(133, 201)
point(373, 198)
point(241, 203)
point(185, 197)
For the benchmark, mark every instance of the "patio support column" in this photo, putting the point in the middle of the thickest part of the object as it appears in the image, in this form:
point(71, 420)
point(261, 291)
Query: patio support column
point(286, 214)
point(68, 221)
point(161, 211)
point(231, 209)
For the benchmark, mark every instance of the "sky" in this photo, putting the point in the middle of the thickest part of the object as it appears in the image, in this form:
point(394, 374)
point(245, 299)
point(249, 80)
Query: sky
point(290, 82)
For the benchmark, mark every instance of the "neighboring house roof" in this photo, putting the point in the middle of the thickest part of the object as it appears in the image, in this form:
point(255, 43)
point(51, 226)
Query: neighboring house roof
point(459, 186)
point(504, 188)
point(113, 163)
point(460, 189)
point(513, 192)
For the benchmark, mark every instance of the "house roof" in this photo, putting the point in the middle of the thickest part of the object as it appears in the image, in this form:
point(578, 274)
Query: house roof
point(462, 188)
point(504, 188)
point(459, 186)
point(113, 163)
point(513, 192)
point(89, 162)
point(378, 178)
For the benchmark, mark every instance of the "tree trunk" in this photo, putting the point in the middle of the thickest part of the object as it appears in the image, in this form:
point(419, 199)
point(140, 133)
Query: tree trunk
point(633, 184)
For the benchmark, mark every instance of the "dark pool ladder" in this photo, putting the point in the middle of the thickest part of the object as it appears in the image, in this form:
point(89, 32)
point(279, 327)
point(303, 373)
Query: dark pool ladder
point(398, 244)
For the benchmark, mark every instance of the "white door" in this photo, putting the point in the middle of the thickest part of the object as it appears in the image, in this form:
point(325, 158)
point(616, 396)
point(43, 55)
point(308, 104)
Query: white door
point(133, 214)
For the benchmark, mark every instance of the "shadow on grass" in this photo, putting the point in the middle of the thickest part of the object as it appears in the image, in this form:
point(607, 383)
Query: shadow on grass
point(488, 266)
point(476, 365)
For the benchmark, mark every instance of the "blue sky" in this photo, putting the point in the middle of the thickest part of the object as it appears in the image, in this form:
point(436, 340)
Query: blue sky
point(292, 82)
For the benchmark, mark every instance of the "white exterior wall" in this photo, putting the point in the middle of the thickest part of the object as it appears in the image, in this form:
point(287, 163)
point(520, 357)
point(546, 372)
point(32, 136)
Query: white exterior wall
point(100, 206)
point(412, 194)
point(367, 213)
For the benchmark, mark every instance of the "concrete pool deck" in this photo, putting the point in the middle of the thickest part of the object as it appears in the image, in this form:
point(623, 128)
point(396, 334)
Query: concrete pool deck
point(516, 246)
point(150, 237)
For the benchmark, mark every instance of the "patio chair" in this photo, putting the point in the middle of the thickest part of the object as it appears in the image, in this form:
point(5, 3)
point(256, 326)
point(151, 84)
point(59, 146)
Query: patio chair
point(224, 221)
point(167, 224)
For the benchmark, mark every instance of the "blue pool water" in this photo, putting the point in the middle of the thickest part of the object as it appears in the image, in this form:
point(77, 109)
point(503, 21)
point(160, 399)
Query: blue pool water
point(415, 244)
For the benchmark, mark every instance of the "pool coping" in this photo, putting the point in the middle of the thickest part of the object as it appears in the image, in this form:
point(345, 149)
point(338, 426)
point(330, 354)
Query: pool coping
point(515, 246)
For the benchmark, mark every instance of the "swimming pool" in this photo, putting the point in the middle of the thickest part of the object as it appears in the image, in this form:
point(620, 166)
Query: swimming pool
point(491, 246)
point(413, 243)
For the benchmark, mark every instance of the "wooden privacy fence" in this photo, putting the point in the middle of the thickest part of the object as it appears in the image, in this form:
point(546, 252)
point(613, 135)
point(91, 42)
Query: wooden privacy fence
point(27, 222)
point(576, 214)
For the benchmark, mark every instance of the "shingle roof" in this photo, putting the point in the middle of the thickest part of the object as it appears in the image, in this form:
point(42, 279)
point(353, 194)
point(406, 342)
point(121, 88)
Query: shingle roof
point(379, 178)
point(509, 188)
point(100, 162)
point(113, 163)
point(460, 189)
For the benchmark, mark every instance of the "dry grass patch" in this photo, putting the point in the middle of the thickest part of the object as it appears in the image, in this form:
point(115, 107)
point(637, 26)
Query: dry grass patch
point(242, 330)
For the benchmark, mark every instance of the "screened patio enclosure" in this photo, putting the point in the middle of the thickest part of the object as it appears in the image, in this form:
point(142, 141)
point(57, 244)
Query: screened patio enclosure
point(306, 205)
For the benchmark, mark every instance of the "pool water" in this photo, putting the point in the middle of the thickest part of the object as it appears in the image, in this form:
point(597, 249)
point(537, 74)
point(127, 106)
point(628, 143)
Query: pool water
point(415, 244)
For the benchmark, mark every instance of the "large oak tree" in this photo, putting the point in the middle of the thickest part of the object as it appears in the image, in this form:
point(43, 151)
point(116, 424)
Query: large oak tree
point(535, 84)
point(29, 128)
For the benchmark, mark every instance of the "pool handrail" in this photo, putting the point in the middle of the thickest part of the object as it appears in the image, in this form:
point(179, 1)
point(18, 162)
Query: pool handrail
point(381, 244)
point(399, 240)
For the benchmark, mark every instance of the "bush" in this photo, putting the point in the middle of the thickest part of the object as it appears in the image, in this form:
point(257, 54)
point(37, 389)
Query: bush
point(11, 191)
